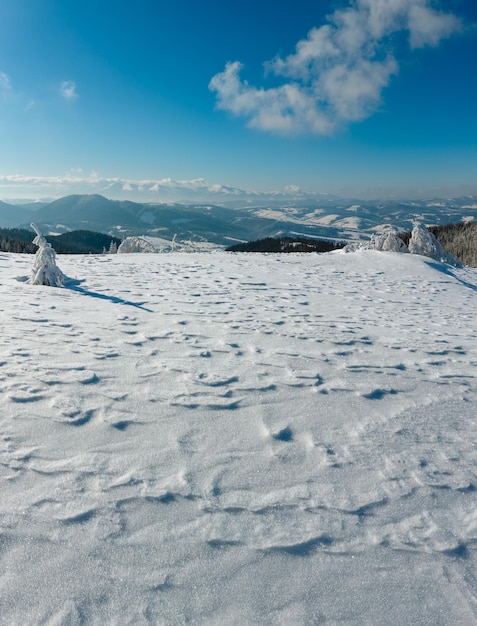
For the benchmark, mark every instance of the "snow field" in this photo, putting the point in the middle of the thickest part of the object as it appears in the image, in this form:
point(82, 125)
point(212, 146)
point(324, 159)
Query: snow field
point(251, 439)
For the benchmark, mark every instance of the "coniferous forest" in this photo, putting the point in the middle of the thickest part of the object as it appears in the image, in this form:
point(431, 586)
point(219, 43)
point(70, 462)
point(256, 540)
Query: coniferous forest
point(74, 242)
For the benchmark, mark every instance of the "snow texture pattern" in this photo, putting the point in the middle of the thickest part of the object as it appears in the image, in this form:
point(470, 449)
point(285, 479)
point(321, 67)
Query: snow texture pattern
point(239, 439)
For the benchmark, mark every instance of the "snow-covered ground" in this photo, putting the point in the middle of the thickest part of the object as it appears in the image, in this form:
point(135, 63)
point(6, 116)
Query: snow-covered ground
point(239, 439)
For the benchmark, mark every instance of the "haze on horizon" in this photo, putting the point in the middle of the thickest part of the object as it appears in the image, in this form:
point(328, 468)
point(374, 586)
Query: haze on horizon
point(357, 98)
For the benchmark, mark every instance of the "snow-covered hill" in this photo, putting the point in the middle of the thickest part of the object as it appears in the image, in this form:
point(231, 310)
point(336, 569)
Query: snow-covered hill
point(242, 439)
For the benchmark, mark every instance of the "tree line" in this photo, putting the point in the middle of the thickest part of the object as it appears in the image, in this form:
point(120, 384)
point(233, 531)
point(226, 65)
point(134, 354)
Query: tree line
point(285, 244)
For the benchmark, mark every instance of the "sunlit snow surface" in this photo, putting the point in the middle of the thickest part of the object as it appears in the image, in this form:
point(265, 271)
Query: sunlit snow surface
point(239, 439)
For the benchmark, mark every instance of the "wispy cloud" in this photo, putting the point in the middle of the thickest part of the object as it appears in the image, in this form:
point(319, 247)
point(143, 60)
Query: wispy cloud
point(5, 85)
point(68, 90)
point(9, 94)
point(337, 74)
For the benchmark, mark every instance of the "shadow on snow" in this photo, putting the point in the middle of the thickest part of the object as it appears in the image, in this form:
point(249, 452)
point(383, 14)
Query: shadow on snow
point(74, 285)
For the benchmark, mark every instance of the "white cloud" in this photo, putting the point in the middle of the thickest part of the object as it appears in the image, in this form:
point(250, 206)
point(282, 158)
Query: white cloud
point(426, 27)
point(19, 186)
point(337, 74)
point(68, 90)
point(292, 189)
point(78, 182)
point(285, 109)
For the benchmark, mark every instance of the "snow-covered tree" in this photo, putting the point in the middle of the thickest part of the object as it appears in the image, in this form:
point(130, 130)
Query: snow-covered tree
point(113, 248)
point(45, 271)
point(425, 243)
point(388, 242)
point(422, 242)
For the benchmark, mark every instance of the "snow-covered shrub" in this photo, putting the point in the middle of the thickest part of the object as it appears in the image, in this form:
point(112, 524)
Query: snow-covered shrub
point(425, 243)
point(422, 242)
point(135, 244)
point(45, 271)
point(388, 242)
point(354, 246)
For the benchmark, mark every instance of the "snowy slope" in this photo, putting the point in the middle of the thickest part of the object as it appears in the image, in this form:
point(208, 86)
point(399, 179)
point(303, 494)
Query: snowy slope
point(240, 439)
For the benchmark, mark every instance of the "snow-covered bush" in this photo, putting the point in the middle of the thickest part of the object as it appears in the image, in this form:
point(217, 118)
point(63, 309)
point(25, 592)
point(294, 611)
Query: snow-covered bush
point(388, 242)
point(354, 246)
point(45, 271)
point(422, 242)
point(135, 244)
point(425, 243)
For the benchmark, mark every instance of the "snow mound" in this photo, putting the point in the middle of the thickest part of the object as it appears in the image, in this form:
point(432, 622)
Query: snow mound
point(135, 244)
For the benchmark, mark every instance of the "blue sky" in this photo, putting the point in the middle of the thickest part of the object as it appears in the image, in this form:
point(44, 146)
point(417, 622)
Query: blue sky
point(371, 98)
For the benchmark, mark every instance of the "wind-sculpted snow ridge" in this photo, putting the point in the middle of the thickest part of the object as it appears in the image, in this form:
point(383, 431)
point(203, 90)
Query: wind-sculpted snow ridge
point(243, 439)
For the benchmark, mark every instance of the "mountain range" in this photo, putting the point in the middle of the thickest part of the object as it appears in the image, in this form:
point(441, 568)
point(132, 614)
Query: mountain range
point(325, 217)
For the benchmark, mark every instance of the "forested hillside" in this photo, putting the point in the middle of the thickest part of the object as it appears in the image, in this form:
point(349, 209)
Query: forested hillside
point(17, 240)
point(74, 242)
point(82, 242)
point(459, 240)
